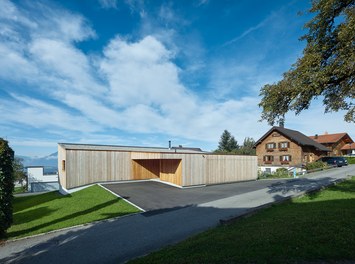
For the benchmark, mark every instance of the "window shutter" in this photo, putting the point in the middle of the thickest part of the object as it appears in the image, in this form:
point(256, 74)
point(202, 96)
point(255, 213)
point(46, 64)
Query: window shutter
point(290, 157)
point(288, 144)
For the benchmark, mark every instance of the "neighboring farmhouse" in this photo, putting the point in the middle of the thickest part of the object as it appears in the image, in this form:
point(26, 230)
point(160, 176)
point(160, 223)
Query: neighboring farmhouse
point(348, 149)
point(337, 144)
point(80, 165)
point(281, 147)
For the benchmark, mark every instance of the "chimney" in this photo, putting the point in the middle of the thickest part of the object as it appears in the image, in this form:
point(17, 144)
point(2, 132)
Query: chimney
point(326, 133)
point(282, 122)
point(315, 136)
point(169, 144)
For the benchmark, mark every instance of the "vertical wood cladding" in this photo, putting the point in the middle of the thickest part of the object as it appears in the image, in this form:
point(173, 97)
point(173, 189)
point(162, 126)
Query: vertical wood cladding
point(145, 169)
point(85, 167)
point(171, 171)
point(230, 168)
point(184, 169)
point(62, 173)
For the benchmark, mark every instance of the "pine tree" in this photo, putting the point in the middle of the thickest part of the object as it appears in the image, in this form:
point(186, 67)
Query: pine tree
point(227, 143)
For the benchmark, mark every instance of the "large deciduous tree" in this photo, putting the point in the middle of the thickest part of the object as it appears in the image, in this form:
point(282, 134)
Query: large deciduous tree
point(326, 69)
point(6, 186)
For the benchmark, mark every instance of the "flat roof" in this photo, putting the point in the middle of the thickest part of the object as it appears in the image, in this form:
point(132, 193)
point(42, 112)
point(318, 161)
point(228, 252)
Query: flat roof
point(72, 146)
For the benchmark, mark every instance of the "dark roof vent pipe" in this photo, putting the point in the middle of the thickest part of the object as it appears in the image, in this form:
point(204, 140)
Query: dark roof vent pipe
point(169, 144)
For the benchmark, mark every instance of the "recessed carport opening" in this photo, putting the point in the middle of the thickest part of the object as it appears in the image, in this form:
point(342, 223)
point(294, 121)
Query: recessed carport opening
point(169, 170)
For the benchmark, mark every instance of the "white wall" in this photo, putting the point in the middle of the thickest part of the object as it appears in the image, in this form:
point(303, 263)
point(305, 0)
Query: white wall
point(35, 174)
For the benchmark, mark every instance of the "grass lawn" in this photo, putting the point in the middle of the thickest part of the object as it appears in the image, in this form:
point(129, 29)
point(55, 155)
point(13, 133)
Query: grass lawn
point(319, 227)
point(19, 189)
point(50, 211)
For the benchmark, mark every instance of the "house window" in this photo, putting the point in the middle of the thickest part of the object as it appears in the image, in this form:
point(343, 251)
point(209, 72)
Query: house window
point(284, 145)
point(285, 158)
point(270, 145)
point(63, 165)
point(268, 159)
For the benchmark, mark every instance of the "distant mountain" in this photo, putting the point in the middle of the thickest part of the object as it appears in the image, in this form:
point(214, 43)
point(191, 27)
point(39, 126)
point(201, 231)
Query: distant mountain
point(47, 161)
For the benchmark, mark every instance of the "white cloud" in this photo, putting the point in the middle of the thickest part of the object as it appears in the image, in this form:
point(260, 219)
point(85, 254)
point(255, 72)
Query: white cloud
point(133, 87)
point(108, 3)
point(38, 114)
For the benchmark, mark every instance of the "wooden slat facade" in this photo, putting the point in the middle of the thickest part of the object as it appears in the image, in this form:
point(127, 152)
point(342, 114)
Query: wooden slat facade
point(84, 167)
point(145, 169)
point(226, 168)
point(171, 171)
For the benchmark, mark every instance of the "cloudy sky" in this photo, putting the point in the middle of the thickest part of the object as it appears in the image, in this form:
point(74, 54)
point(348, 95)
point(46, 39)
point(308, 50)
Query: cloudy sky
point(134, 72)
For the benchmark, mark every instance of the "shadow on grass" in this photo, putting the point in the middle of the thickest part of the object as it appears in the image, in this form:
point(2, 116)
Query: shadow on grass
point(311, 186)
point(62, 219)
point(30, 215)
point(24, 202)
point(347, 186)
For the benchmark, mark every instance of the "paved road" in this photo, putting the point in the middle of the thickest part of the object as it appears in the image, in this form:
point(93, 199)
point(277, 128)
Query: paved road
point(119, 240)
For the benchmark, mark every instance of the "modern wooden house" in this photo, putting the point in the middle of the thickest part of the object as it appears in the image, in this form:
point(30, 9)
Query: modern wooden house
point(334, 142)
point(80, 165)
point(281, 147)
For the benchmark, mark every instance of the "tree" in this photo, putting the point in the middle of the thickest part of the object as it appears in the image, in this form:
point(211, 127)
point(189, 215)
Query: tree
point(6, 186)
point(19, 171)
point(326, 70)
point(248, 147)
point(227, 143)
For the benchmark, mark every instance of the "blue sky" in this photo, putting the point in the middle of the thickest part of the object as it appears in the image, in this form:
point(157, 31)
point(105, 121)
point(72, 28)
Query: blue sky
point(133, 72)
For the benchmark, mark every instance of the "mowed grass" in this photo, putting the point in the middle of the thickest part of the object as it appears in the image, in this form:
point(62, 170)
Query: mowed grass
point(317, 228)
point(51, 211)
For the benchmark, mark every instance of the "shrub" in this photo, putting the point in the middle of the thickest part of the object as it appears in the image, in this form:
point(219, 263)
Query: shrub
point(316, 165)
point(6, 186)
point(351, 160)
point(281, 173)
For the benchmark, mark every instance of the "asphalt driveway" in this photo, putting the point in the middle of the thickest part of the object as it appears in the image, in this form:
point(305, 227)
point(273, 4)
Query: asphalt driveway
point(152, 195)
point(121, 239)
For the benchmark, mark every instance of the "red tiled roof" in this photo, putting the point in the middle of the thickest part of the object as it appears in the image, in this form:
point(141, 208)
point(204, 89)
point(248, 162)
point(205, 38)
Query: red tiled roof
point(328, 138)
point(348, 146)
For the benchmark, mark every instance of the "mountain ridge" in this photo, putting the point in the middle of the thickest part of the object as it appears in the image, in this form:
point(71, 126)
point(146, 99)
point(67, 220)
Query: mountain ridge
point(50, 160)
